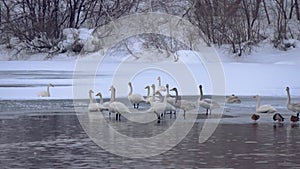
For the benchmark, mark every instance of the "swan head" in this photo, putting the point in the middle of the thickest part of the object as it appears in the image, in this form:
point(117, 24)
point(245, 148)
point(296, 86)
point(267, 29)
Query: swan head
point(287, 88)
point(256, 97)
point(99, 94)
point(158, 78)
point(174, 89)
point(153, 86)
point(147, 87)
point(129, 83)
point(167, 86)
point(91, 91)
point(200, 86)
point(51, 85)
point(111, 88)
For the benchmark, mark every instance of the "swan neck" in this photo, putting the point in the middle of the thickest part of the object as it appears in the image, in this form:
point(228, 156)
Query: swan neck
point(148, 92)
point(48, 90)
point(168, 93)
point(130, 91)
point(288, 97)
point(101, 99)
point(201, 94)
point(258, 102)
point(159, 82)
point(176, 92)
point(90, 96)
point(153, 94)
point(114, 94)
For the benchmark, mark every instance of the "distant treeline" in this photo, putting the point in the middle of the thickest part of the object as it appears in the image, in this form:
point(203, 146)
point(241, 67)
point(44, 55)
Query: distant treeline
point(239, 23)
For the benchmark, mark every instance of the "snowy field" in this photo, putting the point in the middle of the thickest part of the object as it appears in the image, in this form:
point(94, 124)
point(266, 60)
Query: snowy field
point(24, 79)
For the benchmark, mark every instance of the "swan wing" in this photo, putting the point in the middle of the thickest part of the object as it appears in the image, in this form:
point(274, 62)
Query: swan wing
point(187, 105)
point(93, 106)
point(266, 109)
point(204, 104)
point(119, 107)
point(43, 94)
point(136, 98)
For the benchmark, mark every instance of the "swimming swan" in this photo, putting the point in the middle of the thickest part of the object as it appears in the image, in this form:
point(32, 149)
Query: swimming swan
point(208, 104)
point(263, 108)
point(295, 118)
point(233, 99)
point(278, 117)
point(255, 117)
point(135, 99)
point(294, 107)
point(45, 93)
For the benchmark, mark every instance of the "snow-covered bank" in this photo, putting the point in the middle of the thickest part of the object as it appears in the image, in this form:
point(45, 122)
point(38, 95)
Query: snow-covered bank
point(23, 80)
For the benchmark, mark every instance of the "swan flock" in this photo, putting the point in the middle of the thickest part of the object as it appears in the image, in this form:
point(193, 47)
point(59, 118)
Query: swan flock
point(161, 102)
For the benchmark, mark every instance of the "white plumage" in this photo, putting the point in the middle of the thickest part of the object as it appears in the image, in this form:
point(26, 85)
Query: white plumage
point(294, 107)
point(117, 107)
point(93, 106)
point(135, 99)
point(160, 88)
point(208, 104)
point(182, 104)
point(47, 92)
point(263, 108)
point(102, 106)
point(233, 99)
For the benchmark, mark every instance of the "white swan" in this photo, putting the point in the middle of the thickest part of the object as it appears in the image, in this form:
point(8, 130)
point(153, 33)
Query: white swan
point(294, 107)
point(169, 106)
point(208, 104)
point(135, 99)
point(158, 108)
point(93, 106)
point(117, 107)
point(263, 108)
point(47, 92)
point(102, 106)
point(182, 104)
point(233, 99)
point(160, 88)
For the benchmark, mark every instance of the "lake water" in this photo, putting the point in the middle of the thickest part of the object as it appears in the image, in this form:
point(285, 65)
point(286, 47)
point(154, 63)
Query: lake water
point(47, 134)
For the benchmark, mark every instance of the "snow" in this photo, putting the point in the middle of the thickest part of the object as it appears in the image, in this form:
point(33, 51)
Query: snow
point(266, 71)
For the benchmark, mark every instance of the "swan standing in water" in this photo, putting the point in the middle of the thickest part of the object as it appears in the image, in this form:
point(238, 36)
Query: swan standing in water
point(45, 93)
point(294, 107)
point(102, 106)
point(169, 106)
point(135, 99)
point(233, 99)
point(263, 108)
point(93, 106)
point(208, 104)
point(182, 104)
point(117, 107)
point(158, 108)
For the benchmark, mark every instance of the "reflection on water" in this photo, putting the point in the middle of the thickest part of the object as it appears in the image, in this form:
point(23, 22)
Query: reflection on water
point(56, 140)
